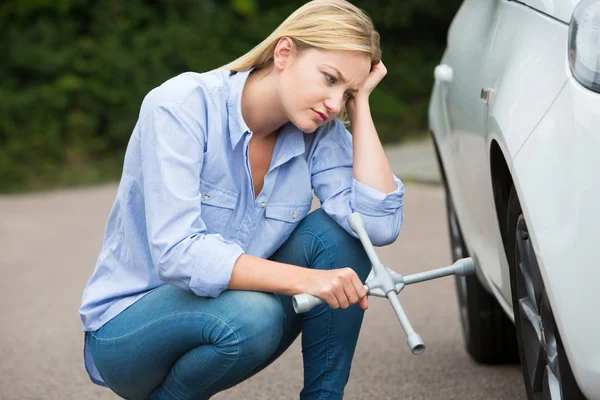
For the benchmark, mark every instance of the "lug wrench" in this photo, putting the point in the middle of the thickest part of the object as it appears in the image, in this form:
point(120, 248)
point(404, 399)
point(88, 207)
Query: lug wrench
point(384, 282)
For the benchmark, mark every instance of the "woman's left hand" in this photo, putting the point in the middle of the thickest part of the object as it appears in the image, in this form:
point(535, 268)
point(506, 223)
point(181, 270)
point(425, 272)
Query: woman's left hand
point(378, 71)
point(361, 98)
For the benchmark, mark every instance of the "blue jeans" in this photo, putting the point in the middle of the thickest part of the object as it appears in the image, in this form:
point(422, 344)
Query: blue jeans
point(172, 344)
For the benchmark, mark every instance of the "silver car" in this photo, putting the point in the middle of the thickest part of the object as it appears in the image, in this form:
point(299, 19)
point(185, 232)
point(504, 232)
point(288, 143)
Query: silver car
point(515, 117)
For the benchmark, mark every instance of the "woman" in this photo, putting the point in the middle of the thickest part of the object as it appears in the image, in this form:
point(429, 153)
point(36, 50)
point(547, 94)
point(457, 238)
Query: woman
point(207, 239)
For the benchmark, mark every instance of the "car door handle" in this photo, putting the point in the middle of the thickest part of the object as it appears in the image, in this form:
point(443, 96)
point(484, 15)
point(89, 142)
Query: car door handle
point(485, 95)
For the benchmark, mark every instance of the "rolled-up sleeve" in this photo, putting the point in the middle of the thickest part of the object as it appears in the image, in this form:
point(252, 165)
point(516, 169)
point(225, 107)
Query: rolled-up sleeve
point(341, 194)
point(172, 148)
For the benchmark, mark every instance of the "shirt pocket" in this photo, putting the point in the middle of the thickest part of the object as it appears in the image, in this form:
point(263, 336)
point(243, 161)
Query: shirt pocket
point(284, 217)
point(218, 205)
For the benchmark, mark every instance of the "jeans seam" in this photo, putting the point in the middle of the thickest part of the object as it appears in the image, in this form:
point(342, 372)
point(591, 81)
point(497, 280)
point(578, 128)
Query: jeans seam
point(187, 387)
point(166, 389)
point(230, 366)
point(161, 319)
point(323, 385)
point(311, 233)
point(329, 262)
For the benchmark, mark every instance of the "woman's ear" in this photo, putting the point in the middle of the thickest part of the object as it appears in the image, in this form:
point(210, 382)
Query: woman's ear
point(284, 52)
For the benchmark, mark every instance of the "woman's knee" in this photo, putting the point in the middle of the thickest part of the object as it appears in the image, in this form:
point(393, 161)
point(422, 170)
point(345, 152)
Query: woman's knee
point(324, 244)
point(258, 323)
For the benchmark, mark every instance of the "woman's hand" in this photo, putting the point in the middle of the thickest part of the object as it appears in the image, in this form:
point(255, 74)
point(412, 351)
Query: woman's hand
point(370, 164)
point(378, 71)
point(340, 288)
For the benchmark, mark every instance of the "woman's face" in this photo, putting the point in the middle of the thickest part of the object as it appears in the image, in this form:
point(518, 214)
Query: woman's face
point(315, 85)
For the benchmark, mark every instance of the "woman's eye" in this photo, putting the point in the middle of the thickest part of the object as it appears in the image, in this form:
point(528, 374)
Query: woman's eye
point(348, 95)
point(330, 78)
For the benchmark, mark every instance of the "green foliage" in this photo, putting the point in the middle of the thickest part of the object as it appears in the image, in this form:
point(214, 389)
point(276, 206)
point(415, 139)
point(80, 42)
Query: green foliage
point(74, 72)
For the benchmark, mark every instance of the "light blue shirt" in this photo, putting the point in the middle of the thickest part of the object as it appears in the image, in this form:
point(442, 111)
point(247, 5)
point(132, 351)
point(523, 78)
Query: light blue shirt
point(185, 208)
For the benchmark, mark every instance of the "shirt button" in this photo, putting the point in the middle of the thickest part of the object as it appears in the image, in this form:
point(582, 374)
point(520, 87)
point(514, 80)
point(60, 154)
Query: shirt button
point(263, 204)
point(294, 215)
point(206, 196)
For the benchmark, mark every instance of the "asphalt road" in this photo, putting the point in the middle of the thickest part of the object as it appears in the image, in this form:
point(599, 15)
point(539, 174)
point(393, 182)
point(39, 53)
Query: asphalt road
point(49, 243)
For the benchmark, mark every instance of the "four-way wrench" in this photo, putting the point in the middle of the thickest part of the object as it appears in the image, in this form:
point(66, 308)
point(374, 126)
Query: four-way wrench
point(383, 282)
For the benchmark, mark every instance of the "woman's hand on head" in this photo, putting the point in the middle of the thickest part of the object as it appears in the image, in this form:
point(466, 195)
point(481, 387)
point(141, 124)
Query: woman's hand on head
point(340, 288)
point(361, 98)
point(378, 71)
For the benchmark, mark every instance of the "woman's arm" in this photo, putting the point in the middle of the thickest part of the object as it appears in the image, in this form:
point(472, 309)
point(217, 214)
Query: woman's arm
point(171, 152)
point(338, 287)
point(370, 164)
point(255, 273)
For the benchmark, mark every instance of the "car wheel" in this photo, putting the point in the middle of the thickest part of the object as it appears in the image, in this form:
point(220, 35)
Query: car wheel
point(546, 369)
point(489, 334)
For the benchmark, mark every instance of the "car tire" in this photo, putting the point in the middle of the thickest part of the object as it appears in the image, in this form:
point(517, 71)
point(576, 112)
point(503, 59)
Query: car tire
point(546, 370)
point(488, 333)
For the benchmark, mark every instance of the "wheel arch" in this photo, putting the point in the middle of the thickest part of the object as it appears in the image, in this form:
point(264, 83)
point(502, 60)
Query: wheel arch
point(502, 182)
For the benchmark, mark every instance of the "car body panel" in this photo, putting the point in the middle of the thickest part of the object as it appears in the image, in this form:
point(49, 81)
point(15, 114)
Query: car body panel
point(503, 52)
point(525, 72)
point(559, 9)
point(459, 109)
point(560, 191)
point(519, 55)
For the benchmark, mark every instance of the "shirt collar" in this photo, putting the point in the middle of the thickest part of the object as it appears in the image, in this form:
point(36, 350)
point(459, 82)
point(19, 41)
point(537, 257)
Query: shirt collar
point(291, 138)
point(237, 125)
point(290, 144)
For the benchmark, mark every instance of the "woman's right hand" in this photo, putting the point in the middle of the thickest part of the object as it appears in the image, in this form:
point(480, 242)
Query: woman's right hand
point(340, 288)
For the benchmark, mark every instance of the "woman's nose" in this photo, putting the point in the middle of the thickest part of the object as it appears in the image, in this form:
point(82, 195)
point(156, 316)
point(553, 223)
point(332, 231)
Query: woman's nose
point(333, 105)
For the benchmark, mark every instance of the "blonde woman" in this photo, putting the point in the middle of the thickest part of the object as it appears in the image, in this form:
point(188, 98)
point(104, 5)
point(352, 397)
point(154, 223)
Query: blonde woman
point(209, 235)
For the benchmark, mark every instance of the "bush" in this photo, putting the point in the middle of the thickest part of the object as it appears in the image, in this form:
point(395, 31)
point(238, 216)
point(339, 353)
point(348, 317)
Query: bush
point(75, 72)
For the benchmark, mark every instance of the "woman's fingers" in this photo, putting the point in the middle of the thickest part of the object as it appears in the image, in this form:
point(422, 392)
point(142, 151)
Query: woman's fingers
point(331, 299)
point(354, 290)
point(340, 288)
point(351, 294)
point(364, 303)
point(359, 286)
point(378, 72)
point(361, 292)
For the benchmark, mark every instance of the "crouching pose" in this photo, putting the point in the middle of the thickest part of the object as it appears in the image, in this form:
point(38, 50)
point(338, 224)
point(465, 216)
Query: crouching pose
point(210, 233)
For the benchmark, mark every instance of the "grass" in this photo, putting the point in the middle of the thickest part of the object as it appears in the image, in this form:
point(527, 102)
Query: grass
point(106, 169)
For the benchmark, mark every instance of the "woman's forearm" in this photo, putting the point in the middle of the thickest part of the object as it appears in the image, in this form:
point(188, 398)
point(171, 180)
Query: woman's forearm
point(255, 273)
point(340, 287)
point(371, 165)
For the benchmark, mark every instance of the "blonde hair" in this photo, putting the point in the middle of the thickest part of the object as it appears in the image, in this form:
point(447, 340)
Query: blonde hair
point(334, 25)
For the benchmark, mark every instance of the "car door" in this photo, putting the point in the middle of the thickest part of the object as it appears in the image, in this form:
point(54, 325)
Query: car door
point(521, 78)
point(470, 40)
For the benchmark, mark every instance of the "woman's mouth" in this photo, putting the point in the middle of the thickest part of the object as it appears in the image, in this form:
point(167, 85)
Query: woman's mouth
point(322, 117)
